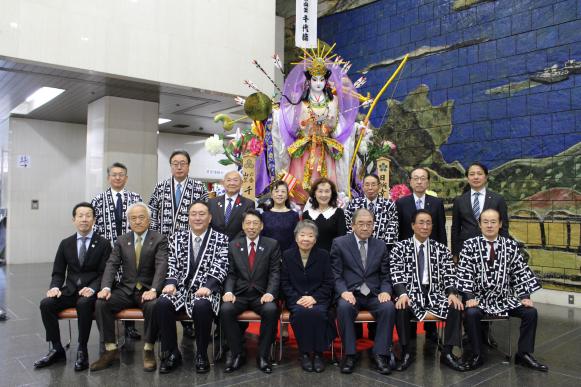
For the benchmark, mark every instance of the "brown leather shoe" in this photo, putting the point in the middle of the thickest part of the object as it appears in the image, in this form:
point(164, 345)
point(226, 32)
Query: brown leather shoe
point(149, 363)
point(106, 359)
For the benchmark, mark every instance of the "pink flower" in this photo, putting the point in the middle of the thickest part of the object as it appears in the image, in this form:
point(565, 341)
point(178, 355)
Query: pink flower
point(399, 191)
point(254, 146)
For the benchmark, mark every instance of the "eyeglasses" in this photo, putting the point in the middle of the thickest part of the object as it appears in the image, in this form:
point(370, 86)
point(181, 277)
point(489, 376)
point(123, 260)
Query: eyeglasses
point(176, 164)
point(115, 175)
point(134, 219)
point(419, 178)
point(364, 225)
point(490, 222)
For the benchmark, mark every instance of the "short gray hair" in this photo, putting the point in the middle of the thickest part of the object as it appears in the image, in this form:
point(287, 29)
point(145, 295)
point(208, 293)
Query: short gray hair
point(307, 223)
point(360, 211)
point(140, 204)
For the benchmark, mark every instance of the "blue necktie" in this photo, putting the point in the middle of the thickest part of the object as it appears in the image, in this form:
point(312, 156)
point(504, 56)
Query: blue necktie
point(83, 250)
point(422, 263)
point(419, 204)
point(119, 214)
point(178, 194)
point(476, 206)
point(228, 211)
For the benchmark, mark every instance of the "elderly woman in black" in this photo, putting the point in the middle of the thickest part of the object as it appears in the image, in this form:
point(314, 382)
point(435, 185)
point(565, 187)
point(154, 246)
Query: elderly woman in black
point(307, 284)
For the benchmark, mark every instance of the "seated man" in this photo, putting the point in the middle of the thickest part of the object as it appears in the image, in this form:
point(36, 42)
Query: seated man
point(362, 281)
point(76, 275)
point(252, 283)
point(424, 280)
point(495, 279)
point(197, 267)
point(142, 256)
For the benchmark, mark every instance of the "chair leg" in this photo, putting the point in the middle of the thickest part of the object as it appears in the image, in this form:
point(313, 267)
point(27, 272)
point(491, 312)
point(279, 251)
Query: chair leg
point(70, 336)
point(509, 357)
point(280, 341)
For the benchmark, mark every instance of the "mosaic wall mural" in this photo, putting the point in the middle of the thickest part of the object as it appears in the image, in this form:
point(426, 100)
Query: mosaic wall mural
point(493, 81)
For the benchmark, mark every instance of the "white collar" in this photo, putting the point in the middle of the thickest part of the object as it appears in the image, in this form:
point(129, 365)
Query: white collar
point(114, 192)
point(359, 240)
point(194, 236)
point(314, 213)
point(482, 192)
point(248, 240)
point(423, 198)
point(233, 197)
point(417, 243)
point(89, 236)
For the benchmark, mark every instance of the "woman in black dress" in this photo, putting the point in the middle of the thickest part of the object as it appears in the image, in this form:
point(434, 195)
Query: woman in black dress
point(323, 210)
point(306, 280)
point(279, 220)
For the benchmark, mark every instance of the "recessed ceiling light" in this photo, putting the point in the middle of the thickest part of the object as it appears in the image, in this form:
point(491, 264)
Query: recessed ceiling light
point(13, 25)
point(84, 38)
point(162, 121)
point(37, 99)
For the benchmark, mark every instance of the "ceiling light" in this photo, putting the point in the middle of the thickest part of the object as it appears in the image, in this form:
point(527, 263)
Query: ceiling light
point(13, 25)
point(37, 99)
point(162, 121)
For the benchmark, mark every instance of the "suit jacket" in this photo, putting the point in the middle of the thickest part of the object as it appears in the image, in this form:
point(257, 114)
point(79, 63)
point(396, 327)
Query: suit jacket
point(348, 268)
point(315, 279)
point(406, 207)
point(67, 273)
point(218, 207)
point(265, 276)
point(465, 226)
point(152, 264)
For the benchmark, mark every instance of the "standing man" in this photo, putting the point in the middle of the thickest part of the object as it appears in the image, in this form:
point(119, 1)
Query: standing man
point(252, 283)
point(197, 267)
point(424, 280)
point(384, 211)
point(76, 277)
point(142, 254)
point(495, 279)
point(111, 217)
point(362, 281)
point(171, 200)
point(227, 209)
point(406, 208)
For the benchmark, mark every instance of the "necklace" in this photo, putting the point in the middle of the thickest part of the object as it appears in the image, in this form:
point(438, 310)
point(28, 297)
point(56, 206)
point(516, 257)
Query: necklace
point(318, 118)
point(318, 102)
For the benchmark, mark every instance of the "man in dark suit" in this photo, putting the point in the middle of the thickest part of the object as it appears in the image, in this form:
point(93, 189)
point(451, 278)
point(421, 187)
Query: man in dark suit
point(76, 276)
point(252, 283)
point(406, 208)
point(362, 281)
point(466, 210)
point(142, 256)
point(227, 209)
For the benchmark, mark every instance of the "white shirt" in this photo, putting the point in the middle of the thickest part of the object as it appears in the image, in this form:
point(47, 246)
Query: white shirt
point(194, 236)
point(423, 199)
point(359, 245)
point(182, 184)
point(89, 236)
point(481, 198)
point(368, 202)
point(226, 197)
point(425, 273)
point(114, 194)
point(488, 247)
point(255, 243)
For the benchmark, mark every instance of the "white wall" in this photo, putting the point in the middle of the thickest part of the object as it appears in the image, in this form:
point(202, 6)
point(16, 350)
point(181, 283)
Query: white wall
point(55, 177)
point(204, 166)
point(206, 44)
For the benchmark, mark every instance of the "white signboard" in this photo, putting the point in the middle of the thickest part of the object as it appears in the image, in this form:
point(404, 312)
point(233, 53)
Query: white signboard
point(306, 24)
point(23, 161)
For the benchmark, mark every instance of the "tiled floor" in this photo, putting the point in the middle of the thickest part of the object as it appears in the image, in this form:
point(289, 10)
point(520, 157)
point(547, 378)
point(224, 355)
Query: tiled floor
point(22, 341)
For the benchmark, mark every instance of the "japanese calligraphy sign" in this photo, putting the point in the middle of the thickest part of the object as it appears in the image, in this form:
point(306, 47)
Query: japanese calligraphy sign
point(306, 24)
point(248, 177)
point(383, 173)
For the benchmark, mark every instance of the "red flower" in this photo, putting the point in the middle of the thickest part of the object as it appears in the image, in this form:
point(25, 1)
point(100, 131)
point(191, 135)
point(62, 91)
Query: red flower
point(399, 191)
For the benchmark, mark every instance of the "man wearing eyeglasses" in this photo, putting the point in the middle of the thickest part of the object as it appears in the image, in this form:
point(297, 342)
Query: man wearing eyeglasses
point(495, 279)
point(111, 217)
point(424, 280)
point(171, 200)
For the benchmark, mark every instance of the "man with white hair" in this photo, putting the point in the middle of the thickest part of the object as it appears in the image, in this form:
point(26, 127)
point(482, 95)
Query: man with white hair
point(143, 254)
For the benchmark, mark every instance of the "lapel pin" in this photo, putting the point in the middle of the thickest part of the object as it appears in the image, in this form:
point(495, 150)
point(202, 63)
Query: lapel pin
point(260, 248)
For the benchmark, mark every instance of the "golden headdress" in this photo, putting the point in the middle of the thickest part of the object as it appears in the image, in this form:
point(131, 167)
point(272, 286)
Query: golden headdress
point(316, 60)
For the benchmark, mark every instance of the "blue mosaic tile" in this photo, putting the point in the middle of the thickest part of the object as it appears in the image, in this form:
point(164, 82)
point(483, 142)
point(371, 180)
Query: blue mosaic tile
point(541, 124)
point(526, 42)
point(542, 17)
point(565, 11)
point(564, 122)
point(521, 22)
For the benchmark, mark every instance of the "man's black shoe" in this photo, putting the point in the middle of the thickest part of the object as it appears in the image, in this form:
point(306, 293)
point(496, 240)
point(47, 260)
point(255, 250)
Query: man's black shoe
point(381, 365)
point(406, 361)
point(453, 362)
point(348, 364)
point(306, 362)
point(169, 362)
point(233, 363)
point(476, 362)
point(202, 363)
point(318, 363)
point(53, 356)
point(264, 365)
point(528, 360)
point(82, 362)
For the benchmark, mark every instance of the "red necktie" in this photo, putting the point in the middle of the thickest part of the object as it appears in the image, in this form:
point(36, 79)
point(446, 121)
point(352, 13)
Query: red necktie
point(251, 256)
point(492, 252)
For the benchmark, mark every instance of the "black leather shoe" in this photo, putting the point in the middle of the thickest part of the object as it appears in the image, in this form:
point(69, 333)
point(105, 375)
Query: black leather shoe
point(132, 333)
point(476, 362)
point(381, 365)
point(202, 363)
point(169, 362)
point(264, 365)
point(453, 362)
point(188, 330)
point(306, 362)
point(528, 360)
point(348, 364)
point(233, 363)
point(391, 360)
point(82, 362)
point(406, 361)
point(53, 356)
point(318, 363)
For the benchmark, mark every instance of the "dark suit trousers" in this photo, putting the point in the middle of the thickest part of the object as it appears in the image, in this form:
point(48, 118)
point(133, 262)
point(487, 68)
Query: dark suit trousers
point(384, 314)
point(50, 307)
point(312, 328)
point(451, 331)
point(528, 328)
point(166, 314)
point(105, 314)
point(269, 315)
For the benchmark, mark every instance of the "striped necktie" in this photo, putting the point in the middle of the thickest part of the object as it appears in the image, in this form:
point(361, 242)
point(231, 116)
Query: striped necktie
point(476, 205)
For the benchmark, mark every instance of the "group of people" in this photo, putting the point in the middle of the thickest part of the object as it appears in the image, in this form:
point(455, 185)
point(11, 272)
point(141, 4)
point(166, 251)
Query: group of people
point(212, 259)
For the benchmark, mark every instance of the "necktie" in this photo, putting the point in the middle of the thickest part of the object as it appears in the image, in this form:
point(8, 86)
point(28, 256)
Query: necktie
point(251, 256)
point(476, 205)
point(83, 250)
point(422, 262)
point(197, 246)
point(178, 194)
point(371, 207)
point(119, 214)
point(228, 211)
point(137, 257)
point(364, 289)
point(492, 255)
point(419, 204)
